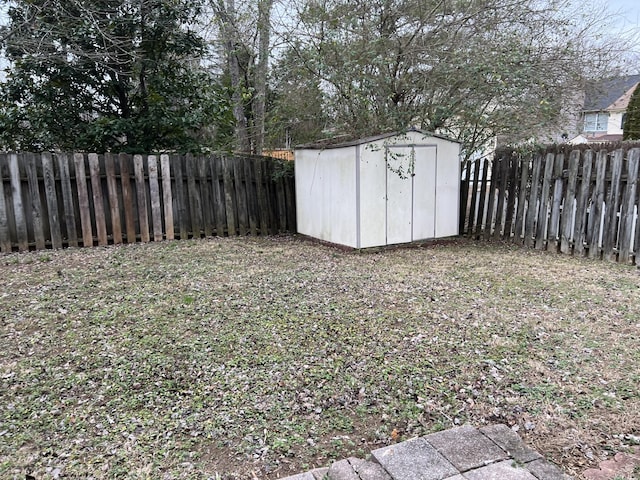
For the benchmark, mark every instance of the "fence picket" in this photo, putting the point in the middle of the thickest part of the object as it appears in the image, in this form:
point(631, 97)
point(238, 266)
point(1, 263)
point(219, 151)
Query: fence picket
point(613, 206)
point(522, 200)
point(543, 212)
point(532, 207)
point(597, 202)
point(181, 203)
point(5, 234)
point(229, 197)
point(194, 197)
point(502, 187)
point(491, 194)
point(252, 200)
point(205, 194)
point(34, 200)
point(114, 204)
point(579, 231)
point(513, 186)
point(127, 197)
point(241, 195)
point(218, 195)
point(67, 200)
point(626, 222)
point(483, 198)
point(154, 198)
point(556, 203)
point(474, 197)
point(263, 204)
point(49, 178)
point(566, 220)
point(98, 203)
point(165, 168)
point(464, 197)
point(141, 194)
point(83, 200)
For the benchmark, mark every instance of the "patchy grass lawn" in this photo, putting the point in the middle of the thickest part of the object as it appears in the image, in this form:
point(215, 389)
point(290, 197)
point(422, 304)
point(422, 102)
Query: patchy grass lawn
point(235, 358)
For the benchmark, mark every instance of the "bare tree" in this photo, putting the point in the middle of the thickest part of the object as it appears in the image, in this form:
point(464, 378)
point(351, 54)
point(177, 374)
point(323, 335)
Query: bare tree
point(472, 70)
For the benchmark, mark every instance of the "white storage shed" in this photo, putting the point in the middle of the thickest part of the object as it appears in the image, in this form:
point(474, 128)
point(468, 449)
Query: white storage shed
point(383, 190)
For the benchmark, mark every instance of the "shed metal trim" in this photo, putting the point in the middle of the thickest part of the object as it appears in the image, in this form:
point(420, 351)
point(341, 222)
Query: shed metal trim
point(328, 145)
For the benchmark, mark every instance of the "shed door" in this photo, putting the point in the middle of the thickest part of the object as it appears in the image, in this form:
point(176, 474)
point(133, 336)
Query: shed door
point(399, 171)
point(424, 193)
point(411, 193)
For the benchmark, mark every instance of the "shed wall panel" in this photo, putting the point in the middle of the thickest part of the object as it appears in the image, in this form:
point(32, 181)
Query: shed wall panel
point(373, 198)
point(399, 188)
point(447, 189)
point(326, 195)
point(424, 193)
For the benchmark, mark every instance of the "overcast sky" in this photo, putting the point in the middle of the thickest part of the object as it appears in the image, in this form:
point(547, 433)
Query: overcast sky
point(629, 9)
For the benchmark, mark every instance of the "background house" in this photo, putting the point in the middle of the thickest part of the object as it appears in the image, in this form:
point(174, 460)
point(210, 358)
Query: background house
point(604, 110)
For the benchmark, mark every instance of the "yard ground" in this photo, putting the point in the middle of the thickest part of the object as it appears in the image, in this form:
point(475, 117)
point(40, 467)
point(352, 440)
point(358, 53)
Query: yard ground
point(260, 357)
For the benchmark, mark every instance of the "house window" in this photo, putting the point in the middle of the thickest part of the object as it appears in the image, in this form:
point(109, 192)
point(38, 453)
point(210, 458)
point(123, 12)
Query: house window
point(624, 118)
point(596, 122)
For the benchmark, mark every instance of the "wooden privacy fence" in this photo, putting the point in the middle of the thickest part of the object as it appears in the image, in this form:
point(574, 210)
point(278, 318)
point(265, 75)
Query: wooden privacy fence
point(582, 202)
point(54, 200)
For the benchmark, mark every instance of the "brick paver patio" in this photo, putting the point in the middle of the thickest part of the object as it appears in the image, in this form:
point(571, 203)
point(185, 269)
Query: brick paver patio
point(464, 453)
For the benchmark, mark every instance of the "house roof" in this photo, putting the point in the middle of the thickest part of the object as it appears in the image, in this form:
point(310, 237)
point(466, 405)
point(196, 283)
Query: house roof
point(602, 95)
point(342, 141)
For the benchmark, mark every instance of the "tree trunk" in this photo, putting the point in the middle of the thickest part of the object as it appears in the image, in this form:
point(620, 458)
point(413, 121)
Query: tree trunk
point(264, 31)
point(227, 13)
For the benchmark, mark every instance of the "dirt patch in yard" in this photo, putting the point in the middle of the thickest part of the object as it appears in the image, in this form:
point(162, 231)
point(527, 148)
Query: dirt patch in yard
point(262, 357)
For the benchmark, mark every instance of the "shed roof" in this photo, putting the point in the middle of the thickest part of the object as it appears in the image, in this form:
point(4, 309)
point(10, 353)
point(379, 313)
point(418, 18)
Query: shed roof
point(340, 142)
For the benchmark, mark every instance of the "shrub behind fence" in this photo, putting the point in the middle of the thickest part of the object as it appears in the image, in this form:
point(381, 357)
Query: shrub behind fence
point(58, 200)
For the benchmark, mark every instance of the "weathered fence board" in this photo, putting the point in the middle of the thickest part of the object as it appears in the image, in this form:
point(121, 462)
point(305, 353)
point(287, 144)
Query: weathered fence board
point(522, 200)
point(98, 203)
point(154, 194)
point(114, 204)
point(573, 201)
point(141, 197)
point(217, 192)
point(556, 202)
point(18, 208)
point(68, 205)
point(180, 196)
point(532, 210)
point(229, 197)
point(5, 235)
point(47, 199)
point(627, 221)
point(597, 203)
point(613, 204)
point(483, 198)
point(83, 200)
point(567, 211)
point(49, 176)
point(167, 199)
point(35, 201)
point(582, 204)
point(474, 198)
point(127, 197)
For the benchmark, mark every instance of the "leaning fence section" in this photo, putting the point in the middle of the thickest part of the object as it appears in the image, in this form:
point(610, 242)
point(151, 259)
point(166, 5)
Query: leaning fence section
point(54, 200)
point(582, 201)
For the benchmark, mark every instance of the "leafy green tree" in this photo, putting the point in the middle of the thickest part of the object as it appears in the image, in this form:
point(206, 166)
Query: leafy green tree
point(631, 130)
point(296, 113)
point(108, 75)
